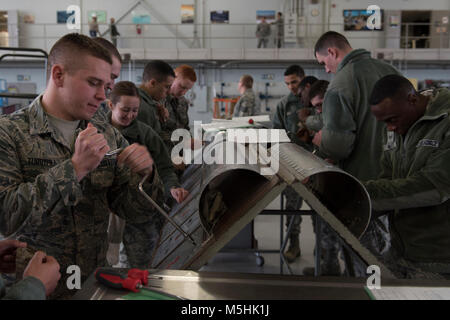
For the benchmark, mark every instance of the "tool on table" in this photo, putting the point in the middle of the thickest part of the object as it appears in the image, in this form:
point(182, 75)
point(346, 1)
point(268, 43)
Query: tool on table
point(139, 274)
point(116, 280)
point(132, 282)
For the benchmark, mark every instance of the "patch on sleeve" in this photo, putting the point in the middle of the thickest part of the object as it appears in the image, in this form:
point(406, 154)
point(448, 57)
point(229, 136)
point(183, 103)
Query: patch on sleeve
point(428, 143)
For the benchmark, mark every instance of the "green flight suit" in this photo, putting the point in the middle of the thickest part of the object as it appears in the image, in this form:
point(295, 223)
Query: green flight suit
point(139, 132)
point(29, 288)
point(286, 118)
point(415, 183)
point(43, 204)
point(148, 111)
point(352, 136)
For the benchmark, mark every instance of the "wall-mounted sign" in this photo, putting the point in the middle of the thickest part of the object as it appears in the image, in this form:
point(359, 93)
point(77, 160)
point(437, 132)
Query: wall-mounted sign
point(141, 19)
point(220, 16)
point(356, 20)
point(268, 14)
point(28, 18)
point(187, 13)
point(394, 21)
point(62, 16)
point(100, 14)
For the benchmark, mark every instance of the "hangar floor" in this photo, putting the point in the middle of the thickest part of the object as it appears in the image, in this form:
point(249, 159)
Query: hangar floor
point(267, 233)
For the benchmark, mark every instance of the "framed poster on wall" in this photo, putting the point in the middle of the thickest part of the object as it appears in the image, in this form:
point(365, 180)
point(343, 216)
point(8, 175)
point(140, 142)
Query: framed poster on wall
point(220, 16)
point(187, 13)
point(356, 20)
point(100, 14)
point(62, 16)
point(268, 14)
point(141, 19)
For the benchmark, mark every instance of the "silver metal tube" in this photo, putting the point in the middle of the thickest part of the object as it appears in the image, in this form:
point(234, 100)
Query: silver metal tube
point(154, 204)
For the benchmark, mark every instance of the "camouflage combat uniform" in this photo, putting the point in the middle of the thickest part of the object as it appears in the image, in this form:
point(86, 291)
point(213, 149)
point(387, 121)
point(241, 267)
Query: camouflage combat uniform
point(178, 119)
point(262, 34)
point(330, 244)
point(279, 24)
point(314, 122)
point(352, 136)
point(286, 118)
point(138, 132)
point(246, 106)
point(415, 185)
point(148, 111)
point(43, 204)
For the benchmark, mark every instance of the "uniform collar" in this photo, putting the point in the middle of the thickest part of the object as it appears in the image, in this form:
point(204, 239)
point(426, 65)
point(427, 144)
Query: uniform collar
point(437, 106)
point(171, 97)
point(353, 55)
point(147, 97)
point(292, 97)
point(40, 124)
point(132, 131)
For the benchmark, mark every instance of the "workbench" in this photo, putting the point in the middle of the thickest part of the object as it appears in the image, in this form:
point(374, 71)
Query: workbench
point(203, 285)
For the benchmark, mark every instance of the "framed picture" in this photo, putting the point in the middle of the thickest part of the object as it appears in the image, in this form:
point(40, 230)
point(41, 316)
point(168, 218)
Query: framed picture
point(100, 14)
point(62, 16)
point(187, 13)
point(356, 20)
point(220, 16)
point(141, 19)
point(268, 14)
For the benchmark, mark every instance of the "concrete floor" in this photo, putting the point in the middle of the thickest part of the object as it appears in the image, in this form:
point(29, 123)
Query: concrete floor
point(267, 233)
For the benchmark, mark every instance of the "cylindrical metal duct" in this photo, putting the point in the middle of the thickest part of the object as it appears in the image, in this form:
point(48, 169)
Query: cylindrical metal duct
point(226, 197)
point(340, 192)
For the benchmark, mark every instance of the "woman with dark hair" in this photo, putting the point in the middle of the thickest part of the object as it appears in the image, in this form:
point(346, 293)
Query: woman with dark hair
point(124, 107)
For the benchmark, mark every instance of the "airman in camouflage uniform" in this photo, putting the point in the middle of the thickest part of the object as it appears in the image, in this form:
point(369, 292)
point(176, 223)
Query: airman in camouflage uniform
point(262, 33)
point(176, 108)
point(56, 191)
point(246, 106)
point(44, 205)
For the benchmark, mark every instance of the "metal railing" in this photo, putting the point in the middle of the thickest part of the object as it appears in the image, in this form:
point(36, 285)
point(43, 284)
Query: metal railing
point(222, 36)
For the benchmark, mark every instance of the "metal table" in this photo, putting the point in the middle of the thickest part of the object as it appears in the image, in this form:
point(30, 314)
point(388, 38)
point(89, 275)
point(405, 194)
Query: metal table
point(204, 285)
